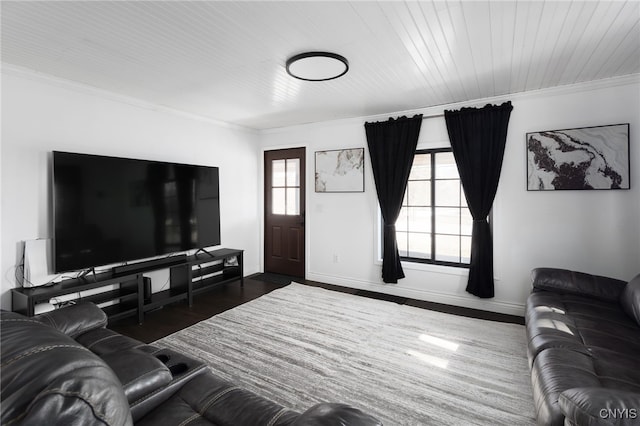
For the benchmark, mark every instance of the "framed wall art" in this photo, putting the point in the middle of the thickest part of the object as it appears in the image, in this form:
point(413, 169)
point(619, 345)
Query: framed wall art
point(580, 158)
point(340, 170)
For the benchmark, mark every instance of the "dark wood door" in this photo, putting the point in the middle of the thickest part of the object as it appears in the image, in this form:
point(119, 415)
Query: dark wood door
point(284, 194)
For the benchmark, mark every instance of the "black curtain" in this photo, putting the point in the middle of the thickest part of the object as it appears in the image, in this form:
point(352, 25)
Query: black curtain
point(392, 146)
point(478, 137)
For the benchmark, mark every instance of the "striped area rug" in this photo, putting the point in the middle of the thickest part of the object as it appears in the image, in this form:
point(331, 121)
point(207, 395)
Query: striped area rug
point(300, 345)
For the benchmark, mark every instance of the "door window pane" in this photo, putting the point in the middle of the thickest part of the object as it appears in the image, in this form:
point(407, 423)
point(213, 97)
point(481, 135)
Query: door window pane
point(278, 201)
point(293, 201)
point(293, 172)
point(278, 172)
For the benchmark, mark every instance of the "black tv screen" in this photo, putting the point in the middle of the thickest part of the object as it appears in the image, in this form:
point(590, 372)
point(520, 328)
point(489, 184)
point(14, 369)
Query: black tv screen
point(110, 210)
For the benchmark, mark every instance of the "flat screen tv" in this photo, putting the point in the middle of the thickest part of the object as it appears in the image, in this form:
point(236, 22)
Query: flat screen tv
point(110, 210)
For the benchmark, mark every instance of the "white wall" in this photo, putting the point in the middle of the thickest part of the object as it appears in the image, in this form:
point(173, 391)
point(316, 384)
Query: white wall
point(593, 231)
point(41, 114)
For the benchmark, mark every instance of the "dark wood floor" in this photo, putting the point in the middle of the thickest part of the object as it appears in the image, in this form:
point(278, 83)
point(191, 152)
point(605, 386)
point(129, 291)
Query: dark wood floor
point(175, 317)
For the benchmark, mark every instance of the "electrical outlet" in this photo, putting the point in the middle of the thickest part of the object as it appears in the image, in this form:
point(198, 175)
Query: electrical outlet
point(335, 258)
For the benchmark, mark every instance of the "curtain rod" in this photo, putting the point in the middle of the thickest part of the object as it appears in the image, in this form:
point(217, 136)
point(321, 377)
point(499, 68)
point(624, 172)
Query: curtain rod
point(433, 115)
point(441, 114)
point(423, 116)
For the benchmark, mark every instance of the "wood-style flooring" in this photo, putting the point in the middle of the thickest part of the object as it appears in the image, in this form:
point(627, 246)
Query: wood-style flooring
point(175, 317)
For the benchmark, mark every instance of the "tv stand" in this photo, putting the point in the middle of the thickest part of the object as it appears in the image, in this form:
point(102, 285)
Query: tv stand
point(203, 272)
point(201, 250)
point(86, 272)
point(150, 265)
point(189, 276)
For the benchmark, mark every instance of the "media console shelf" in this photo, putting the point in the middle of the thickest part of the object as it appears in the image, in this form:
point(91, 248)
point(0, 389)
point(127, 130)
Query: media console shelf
point(199, 273)
point(191, 276)
point(129, 294)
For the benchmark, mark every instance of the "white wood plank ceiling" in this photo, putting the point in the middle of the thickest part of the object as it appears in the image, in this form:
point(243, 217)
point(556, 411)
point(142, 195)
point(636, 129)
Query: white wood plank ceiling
point(226, 60)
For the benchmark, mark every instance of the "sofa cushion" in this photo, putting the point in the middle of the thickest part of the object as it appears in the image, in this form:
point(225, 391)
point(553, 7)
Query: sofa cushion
point(330, 414)
point(48, 378)
point(617, 369)
point(102, 341)
point(555, 370)
point(581, 324)
point(574, 342)
point(630, 299)
point(209, 400)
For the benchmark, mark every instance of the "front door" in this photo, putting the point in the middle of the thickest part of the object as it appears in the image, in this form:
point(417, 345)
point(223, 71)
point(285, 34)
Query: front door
point(284, 194)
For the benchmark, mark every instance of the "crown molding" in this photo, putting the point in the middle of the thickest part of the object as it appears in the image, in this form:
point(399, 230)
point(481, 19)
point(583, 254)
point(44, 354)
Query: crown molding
point(437, 110)
point(86, 89)
point(430, 111)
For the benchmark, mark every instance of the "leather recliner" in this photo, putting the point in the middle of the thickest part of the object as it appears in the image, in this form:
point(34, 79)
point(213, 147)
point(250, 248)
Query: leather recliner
point(583, 334)
point(65, 368)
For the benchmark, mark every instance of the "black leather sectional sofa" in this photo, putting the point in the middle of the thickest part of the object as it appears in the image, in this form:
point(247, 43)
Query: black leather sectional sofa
point(584, 348)
point(66, 368)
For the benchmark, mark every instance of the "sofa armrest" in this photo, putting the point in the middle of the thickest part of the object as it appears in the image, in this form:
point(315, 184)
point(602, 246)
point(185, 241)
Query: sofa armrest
point(50, 379)
point(334, 414)
point(74, 320)
point(578, 283)
point(599, 406)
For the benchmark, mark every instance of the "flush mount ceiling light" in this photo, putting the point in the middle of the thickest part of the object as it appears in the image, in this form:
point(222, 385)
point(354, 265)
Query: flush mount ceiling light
point(317, 66)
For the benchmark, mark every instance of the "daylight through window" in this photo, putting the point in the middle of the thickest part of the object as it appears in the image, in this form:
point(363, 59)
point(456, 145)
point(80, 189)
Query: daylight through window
point(434, 225)
point(285, 187)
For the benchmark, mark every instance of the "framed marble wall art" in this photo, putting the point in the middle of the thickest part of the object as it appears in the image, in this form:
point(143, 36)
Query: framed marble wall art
point(340, 170)
point(581, 158)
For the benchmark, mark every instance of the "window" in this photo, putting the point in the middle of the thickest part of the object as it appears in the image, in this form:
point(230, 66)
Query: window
point(285, 187)
point(434, 225)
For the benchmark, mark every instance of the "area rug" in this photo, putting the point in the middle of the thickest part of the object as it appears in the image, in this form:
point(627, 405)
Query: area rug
point(300, 345)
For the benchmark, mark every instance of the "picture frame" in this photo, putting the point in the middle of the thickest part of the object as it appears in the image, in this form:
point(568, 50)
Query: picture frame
point(582, 158)
point(339, 170)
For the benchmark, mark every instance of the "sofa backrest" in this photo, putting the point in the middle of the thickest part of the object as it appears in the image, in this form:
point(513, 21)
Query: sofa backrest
point(578, 283)
point(630, 299)
point(49, 378)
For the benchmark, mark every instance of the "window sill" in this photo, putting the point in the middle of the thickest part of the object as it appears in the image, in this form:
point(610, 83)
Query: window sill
point(432, 267)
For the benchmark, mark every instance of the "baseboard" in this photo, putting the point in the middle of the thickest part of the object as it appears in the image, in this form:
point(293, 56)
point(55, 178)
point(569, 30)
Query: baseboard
point(248, 271)
point(498, 306)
